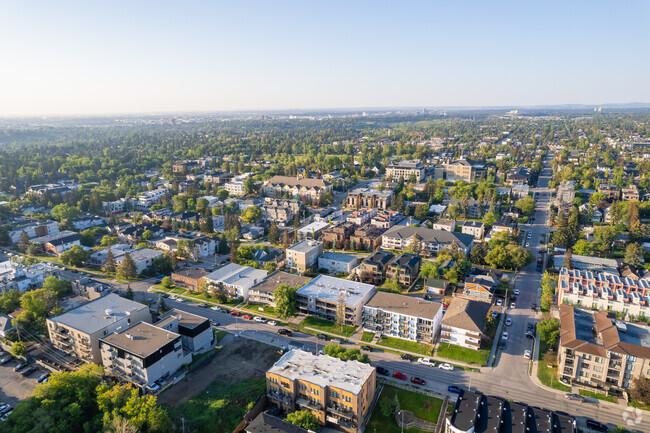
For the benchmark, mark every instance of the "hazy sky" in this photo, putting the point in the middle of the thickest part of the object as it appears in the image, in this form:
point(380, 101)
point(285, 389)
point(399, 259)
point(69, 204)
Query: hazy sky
point(88, 57)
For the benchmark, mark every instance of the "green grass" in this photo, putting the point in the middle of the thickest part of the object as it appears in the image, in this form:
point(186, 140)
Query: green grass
point(423, 407)
point(220, 407)
point(367, 337)
point(597, 395)
point(220, 335)
point(548, 375)
point(178, 291)
point(327, 326)
point(405, 345)
point(269, 311)
point(457, 353)
point(640, 405)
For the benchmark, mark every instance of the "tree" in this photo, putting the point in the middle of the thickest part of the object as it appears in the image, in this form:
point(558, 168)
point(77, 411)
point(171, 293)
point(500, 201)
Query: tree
point(562, 237)
point(477, 255)
point(605, 236)
point(549, 331)
point(251, 214)
point(567, 259)
point(161, 304)
point(222, 194)
point(526, 205)
point(421, 211)
point(55, 285)
point(147, 235)
point(64, 211)
point(129, 292)
point(75, 256)
point(109, 240)
point(18, 348)
point(86, 238)
point(285, 300)
point(127, 268)
point(274, 233)
point(641, 390)
point(497, 257)
point(249, 185)
point(389, 406)
point(167, 283)
point(634, 255)
point(121, 425)
point(110, 264)
point(304, 419)
point(24, 242)
point(583, 247)
point(415, 246)
point(9, 301)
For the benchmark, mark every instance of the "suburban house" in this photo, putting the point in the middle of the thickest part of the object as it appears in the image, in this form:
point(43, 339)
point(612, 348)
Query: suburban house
point(335, 263)
point(373, 268)
point(504, 224)
point(481, 285)
point(436, 286)
point(235, 280)
point(464, 323)
point(263, 292)
point(404, 269)
point(400, 238)
point(58, 243)
point(518, 176)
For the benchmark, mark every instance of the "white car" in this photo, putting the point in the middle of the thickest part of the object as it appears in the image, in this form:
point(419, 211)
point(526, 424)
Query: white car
point(499, 302)
point(527, 354)
point(336, 340)
point(530, 234)
point(508, 321)
point(446, 366)
point(504, 336)
point(273, 323)
point(494, 313)
point(427, 361)
point(260, 319)
point(216, 308)
point(516, 292)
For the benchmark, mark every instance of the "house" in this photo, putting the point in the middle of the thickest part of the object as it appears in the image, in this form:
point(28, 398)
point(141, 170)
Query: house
point(87, 222)
point(236, 187)
point(482, 284)
point(504, 224)
point(612, 192)
point(280, 186)
point(362, 216)
point(20, 276)
point(630, 193)
point(321, 296)
point(473, 228)
point(132, 233)
point(312, 231)
point(335, 263)
point(512, 212)
point(143, 353)
point(366, 238)
point(267, 423)
point(386, 218)
point(262, 292)
point(432, 241)
point(33, 229)
point(465, 169)
point(58, 243)
point(235, 280)
point(77, 332)
point(189, 278)
point(369, 198)
point(373, 268)
point(566, 193)
point(598, 350)
point(448, 225)
point(464, 323)
point(5, 325)
point(185, 217)
point(142, 257)
point(195, 331)
point(436, 286)
point(339, 393)
point(404, 269)
point(304, 255)
point(402, 316)
point(406, 169)
point(518, 176)
point(520, 191)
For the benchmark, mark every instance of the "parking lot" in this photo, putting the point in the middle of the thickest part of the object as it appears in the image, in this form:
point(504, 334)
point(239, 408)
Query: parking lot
point(13, 386)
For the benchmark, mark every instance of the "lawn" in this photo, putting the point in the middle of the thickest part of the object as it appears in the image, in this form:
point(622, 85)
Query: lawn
point(597, 395)
point(327, 326)
point(640, 405)
point(405, 345)
point(457, 353)
point(269, 311)
point(423, 407)
point(220, 335)
point(178, 291)
point(367, 337)
point(548, 375)
point(220, 407)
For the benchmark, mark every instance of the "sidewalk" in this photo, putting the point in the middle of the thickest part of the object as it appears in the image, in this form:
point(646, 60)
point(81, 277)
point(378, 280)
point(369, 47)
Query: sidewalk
point(495, 343)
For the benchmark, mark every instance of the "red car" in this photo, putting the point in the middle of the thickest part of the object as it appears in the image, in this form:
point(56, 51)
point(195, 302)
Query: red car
point(236, 313)
point(247, 317)
point(400, 376)
point(542, 251)
point(418, 381)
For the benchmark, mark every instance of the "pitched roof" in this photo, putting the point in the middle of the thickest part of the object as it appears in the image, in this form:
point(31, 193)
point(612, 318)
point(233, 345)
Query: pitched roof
point(406, 305)
point(466, 314)
point(266, 423)
point(430, 235)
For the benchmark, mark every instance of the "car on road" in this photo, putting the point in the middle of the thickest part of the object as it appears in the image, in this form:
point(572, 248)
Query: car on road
point(214, 322)
point(285, 332)
point(416, 380)
point(530, 326)
point(272, 322)
point(453, 388)
point(508, 321)
point(530, 235)
point(446, 366)
point(516, 292)
point(5, 360)
point(539, 268)
point(260, 319)
point(502, 345)
point(366, 348)
point(235, 313)
point(527, 354)
point(216, 308)
point(383, 371)
point(595, 425)
point(504, 336)
point(494, 313)
point(513, 305)
point(322, 337)
point(400, 376)
point(406, 357)
point(529, 335)
point(539, 260)
point(20, 366)
point(499, 302)
point(29, 370)
point(533, 306)
point(247, 317)
point(575, 397)
point(336, 340)
point(427, 361)
point(542, 251)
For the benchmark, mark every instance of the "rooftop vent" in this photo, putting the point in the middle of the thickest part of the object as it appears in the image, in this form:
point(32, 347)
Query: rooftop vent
point(130, 337)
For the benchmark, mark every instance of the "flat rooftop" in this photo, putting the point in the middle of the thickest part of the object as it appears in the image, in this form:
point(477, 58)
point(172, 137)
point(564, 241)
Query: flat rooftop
point(141, 339)
point(304, 246)
point(328, 289)
point(315, 226)
point(638, 335)
point(339, 257)
point(406, 305)
point(584, 323)
point(186, 319)
point(323, 370)
point(272, 282)
point(98, 314)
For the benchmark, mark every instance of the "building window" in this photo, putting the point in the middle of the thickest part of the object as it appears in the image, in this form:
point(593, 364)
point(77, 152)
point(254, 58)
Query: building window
point(315, 391)
point(586, 357)
point(598, 368)
point(302, 387)
point(334, 394)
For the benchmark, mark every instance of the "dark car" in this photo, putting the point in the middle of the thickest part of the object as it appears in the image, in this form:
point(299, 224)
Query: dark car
point(530, 326)
point(529, 335)
point(20, 366)
point(285, 332)
point(595, 425)
point(406, 357)
point(502, 345)
point(453, 388)
point(322, 337)
point(29, 370)
point(533, 307)
point(383, 371)
point(214, 323)
point(418, 381)
point(366, 348)
point(538, 268)
point(400, 376)
point(5, 360)
point(43, 377)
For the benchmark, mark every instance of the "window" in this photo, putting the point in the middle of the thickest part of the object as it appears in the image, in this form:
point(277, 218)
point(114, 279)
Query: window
point(598, 368)
point(599, 360)
point(315, 391)
point(586, 366)
point(631, 359)
point(334, 394)
point(586, 357)
point(285, 384)
point(302, 387)
point(347, 398)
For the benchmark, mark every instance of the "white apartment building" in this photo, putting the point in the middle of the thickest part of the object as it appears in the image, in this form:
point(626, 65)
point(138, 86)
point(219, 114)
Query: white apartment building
point(235, 279)
point(34, 230)
point(474, 228)
point(464, 323)
point(335, 263)
point(362, 216)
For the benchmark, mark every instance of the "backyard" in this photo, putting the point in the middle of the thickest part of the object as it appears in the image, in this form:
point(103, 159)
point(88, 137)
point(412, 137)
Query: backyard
point(422, 406)
point(548, 375)
point(405, 345)
point(327, 326)
point(450, 351)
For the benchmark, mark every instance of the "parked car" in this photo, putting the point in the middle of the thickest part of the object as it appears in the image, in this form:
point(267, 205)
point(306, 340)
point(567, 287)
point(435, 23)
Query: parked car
point(508, 321)
point(453, 388)
point(575, 397)
point(366, 348)
point(260, 319)
point(2, 354)
point(202, 305)
point(5, 360)
point(336, 340)
point(513, 305)
point(527, 354)
point(247, 317)
point(322, 337)
point(235, 313)
point(418, 381)
point(406, 357)
point(216, 308)
point(446, 366)
point(595, 425)
point(530, 326)
point(533, 306)
point(504, 336)
point(427, 361)
point(285, 332)
point(383, 371)
point(400, 376)
point(29, 370)
point(542, 251)
point(502, 345)
point(516, 292)
point(529, 335)
point(273, 323)
point(5, 416)
point(20, 366)
point(499, 302)
point(494, 313)
point(539, 260)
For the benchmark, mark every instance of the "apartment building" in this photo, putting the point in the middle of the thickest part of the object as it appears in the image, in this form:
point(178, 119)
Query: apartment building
point(279, 210)
point(304, 255)
point(335, 263)
point(604, 291)
point(612, 192)
point(432, 241)
point(630, 193)
point(473, 228)
point(464, 323)
point(566, 193)
point(405, 269)
point(321, 296)
point(404, 170)
point(312, 230)
point(115, 207)
point(339, 393)
point(337, 235)
point(366, 238)
point(195, 331)
point(362, 216)
point(58, 243)
point(520, 191)
point(386, 218)
point(597, 350)
point(263, 292)
point(87, 222)
point(143, 353)
point(236, 187)
point(403, 317)
point(142, 257)
point(504, 224)
point(235, 280)
point(373, 268)
point(369, 197)
point(447, 225)
point(77, 332)
point(280, 186)
point(34, 229)
point(21, 277)
point(189, 278)
point(472, 208)
point(518, 176)
point(464, 169)
point(148, 198)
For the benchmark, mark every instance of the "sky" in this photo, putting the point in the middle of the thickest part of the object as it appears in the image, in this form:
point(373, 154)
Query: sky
point(109, 57)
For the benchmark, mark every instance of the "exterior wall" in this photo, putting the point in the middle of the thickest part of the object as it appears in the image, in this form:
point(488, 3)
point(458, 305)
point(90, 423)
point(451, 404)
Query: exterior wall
point(477, 232)
point(301, 261)
point(460, 337)
point(420, 329)
point(335, 266)
point(34, 231)
point(191, 283)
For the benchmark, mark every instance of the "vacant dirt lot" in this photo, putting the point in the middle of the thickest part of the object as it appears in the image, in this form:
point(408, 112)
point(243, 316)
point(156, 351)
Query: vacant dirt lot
point(238, 360)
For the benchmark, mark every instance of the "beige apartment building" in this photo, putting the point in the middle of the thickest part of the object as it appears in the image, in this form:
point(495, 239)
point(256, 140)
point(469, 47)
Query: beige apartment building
point(77, 332)
point(463, 169)
point(304, 255)
point(404, 170)
point(339, 393)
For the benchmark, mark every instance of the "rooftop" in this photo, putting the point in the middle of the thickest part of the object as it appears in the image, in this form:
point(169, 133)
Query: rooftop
point(323, 370)
point(191, 273)
point(328, 289)
point(315, 226)
point(430, 235)
point(406, 305)
point(98, 314)
point(141, 339)
point(466, 314)
point(338, 257)
point(233, 274)
point(304, 246)
point(186, 319)
point(277, 278)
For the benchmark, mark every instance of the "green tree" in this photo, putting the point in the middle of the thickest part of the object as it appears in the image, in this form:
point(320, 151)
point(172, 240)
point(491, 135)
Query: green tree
point(86, 238)
point(421, 211)
point(583, 247)
point(64, 211)
point(9, 301)
point(251, 214)
point(161, 304)
point(477, 255)
point(605, 236)
point(110, 265)
point(129, 292)
point(127, 268)
point(147, 235)
point(526, 205)
point(285, 300)
point(109, 240)
point(222, 194)
point(167, 283)
point(641, 390)
point(249, 185)
point(274, 234)
point(57, 286)
point(24, 242)
point(303, 419)
point(18, 348)
point(389, 406)
point(497, 257)
point(75, 256)
point(549, 331)
point(634, 255)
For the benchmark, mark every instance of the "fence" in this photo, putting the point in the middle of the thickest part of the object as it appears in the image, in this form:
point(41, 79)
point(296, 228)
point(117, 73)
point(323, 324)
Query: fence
point(259, 407)
point(405, 419)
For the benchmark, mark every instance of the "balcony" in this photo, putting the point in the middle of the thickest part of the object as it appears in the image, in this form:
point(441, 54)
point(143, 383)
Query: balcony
point(309, 404)
point(613, 373)
point(281, 397)
point(340, 412)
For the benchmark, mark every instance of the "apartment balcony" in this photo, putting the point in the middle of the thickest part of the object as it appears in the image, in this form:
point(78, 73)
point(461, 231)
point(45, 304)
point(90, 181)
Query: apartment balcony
point(347, 414)
point(314, 405)
point(280, 397)
point(569, 362)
